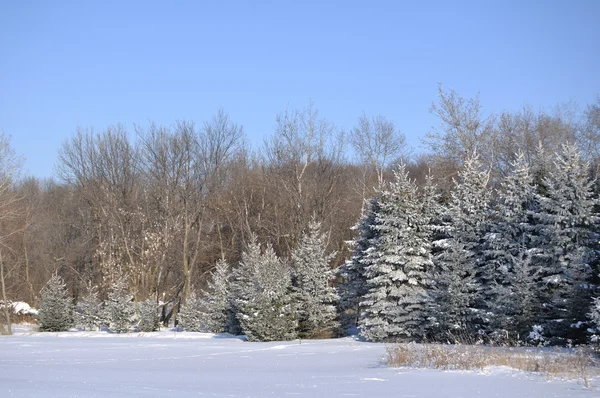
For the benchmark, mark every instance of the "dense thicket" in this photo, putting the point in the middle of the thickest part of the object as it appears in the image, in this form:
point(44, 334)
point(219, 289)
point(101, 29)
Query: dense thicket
point(162, 208)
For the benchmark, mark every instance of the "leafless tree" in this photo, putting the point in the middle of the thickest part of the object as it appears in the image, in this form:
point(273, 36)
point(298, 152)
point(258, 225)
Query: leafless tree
point(10, 166)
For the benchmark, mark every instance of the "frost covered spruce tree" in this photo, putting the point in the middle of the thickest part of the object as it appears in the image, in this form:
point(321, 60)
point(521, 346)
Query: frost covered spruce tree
point(191, 315)
point(594, 316)
point(219, 316)
point(148, 313)
point(458, 292)
point(263, 300)
point(316, 301)
point(566, 223)
point(352, 273)
point(396, 304)
point(119, 308)
point(56, 307)
point(89, 310)
point(512, 279)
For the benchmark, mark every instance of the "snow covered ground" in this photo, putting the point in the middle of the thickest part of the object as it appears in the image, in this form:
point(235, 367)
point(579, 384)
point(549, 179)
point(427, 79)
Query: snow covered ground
point(168, 364)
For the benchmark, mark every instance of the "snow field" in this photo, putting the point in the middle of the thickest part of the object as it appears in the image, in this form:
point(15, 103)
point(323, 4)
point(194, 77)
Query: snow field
point(97, 364)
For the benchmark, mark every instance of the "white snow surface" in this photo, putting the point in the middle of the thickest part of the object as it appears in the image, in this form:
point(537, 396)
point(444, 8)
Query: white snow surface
point(178, 364)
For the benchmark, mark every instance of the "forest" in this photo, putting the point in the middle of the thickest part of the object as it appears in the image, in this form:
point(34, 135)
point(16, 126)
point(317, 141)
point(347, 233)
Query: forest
point(490, 232)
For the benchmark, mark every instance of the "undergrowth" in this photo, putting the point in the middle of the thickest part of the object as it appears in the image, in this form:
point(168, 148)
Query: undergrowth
point(578, 363)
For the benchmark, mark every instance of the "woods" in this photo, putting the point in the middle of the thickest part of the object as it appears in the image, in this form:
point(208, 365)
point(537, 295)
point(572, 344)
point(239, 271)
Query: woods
point(490, 231)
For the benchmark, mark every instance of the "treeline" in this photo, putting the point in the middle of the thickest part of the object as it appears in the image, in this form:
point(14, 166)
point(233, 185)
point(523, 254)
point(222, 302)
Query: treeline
point(165, 207)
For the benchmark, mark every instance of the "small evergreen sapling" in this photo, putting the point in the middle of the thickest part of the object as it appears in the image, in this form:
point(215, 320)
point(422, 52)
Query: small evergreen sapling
point(56, 308)
point(89, 310)
point(119, 307)
point(191, 315)
point(149, 317)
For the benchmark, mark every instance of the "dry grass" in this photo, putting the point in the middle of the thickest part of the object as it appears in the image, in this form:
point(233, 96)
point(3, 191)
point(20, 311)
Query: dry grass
point(579, 364)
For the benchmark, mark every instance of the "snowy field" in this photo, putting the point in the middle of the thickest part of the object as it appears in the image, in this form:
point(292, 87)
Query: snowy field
point(168, 364)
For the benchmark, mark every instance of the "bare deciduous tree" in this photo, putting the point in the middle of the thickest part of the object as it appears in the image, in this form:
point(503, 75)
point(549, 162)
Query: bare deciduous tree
point(10, 166)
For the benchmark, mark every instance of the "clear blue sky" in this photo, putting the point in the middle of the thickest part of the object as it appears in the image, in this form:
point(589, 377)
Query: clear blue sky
point(96, 63)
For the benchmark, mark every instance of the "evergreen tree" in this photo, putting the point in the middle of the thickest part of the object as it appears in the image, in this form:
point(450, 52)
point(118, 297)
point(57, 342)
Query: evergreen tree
point(459, 301)
point(352, 273)
point(191, 316)
point(119, 307)
point(264, 305)
point(594, 317)
point(315, 299)
point(511, 278)
point(149, 317)
point(399, 275)
point(567, 222)
point(56, 308)
point(89, 310)
point(218, 316)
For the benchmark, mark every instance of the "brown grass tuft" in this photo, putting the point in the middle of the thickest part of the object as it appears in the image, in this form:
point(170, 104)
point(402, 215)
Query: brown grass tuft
point(576, 364)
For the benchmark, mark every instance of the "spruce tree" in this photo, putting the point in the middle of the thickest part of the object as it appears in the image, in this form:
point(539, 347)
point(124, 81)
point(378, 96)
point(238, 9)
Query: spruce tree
point(315, 299)
point(567, 222)
point(89, 310)
point(459, 308)
point(149, 317)
point(56, 307)
point(353, 284)
point(264, 304)
point(511, 277)
point(119, 307)
point(594, 317)
point(396, 305)
point(216, 302)
point(192, 316)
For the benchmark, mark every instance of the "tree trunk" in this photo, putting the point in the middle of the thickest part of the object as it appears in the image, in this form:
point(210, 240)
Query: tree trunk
point(8, 329)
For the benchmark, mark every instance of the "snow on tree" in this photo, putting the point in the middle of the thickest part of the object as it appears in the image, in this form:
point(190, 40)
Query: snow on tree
point(567, 221)
point(458, 290)
point(89, 310)
point(262, 290)
point(56, 307)
point(149, 316)
point(396, 304)
point(119, 307)
point(354, 283)
point(216, 302)
point(511, 278)
point(315, 299)
point(594, 316)
point(191, 316)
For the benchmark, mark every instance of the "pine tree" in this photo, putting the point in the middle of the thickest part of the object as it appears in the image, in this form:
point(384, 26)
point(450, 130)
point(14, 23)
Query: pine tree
point(459, 305)
point(56, 308)
point(399, 276)
point(315, 299)
point(594, 317)
point(149, 317)
point(119, 307)
point(192, 316)
point(354, 282)
point(264, 306)
point(511, 278)
point(89, 310)
point(567, 222)
point(218, 316)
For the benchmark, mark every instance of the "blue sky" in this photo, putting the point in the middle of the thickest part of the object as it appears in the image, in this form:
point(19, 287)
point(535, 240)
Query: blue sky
point(97, 63)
